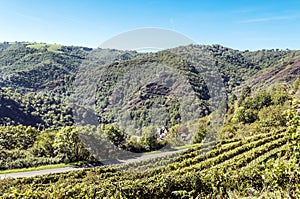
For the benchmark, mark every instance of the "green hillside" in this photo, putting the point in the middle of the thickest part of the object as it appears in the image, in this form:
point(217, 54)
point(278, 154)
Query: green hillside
point(260, 158)
point(51, 69)
point(33, 67)
point(213, 72)
point(36, 80)
point(249, 148)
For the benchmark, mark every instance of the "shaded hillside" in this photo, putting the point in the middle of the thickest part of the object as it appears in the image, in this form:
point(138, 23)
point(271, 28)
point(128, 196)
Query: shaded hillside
point(39, 110)
point(140, 85)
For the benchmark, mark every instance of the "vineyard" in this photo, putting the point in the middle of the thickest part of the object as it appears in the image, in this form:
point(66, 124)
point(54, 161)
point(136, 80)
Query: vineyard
point(253, 152)
point(210, 170)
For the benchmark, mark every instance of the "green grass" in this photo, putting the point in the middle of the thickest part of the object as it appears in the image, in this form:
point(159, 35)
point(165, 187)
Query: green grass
point(44, 167)
point(50, 47)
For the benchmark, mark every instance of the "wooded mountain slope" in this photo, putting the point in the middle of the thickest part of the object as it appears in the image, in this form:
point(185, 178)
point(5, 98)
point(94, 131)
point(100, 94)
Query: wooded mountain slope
point(47, 72)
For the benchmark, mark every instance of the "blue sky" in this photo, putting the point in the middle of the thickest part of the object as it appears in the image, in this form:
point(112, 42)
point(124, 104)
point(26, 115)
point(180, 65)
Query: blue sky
point(253, 24)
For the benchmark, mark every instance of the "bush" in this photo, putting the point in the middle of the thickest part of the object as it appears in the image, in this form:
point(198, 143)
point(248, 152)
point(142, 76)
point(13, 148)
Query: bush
point(244, 115)
point(261, 99)
point(279, 97)
point(272, 116)
point(17, 137)
point(28, 162)
point(150, 140)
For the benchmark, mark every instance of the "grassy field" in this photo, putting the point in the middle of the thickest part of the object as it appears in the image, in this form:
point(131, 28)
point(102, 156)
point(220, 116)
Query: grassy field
point(44, 167)
point(50, 47)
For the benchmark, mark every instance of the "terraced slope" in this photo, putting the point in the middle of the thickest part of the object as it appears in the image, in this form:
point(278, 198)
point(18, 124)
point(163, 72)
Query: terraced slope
point(211, 168)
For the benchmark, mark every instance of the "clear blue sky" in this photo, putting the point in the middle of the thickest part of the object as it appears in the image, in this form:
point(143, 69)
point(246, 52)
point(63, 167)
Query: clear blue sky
point(241, 24)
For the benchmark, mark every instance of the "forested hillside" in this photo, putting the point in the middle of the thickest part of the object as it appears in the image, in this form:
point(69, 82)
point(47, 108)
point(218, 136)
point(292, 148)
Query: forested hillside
point(256, 155)
point(32, 67)
point(53, 98)
point(213, 72)
point(51, 69)
point(36, 80)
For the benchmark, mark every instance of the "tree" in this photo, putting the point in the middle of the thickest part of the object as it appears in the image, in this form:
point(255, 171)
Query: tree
point(262, 99)
point(43, 147)
point(279, 97)
point(272, 116)
point(115, 135)
point(245, 94)
point(17, 137)
point(68, 145)
point(149, 139)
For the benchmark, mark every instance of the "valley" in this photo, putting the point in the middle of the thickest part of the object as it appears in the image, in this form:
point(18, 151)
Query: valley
point(237, 110)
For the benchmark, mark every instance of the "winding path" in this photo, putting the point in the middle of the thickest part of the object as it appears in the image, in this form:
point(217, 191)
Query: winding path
point(67, 169)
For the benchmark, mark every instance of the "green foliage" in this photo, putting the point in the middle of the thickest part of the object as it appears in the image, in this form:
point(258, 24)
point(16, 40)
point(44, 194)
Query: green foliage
point(296, 85)
point(261, 99)
point(282, 172)
point(258, 153)
point(43, 146)
point(245, 92)
point(114, 134)
point(293, 123)
point(258, 101)
point(38, 110)
point(33, 67)
point(235, 66)
point(148, 91)
point(22, 147)
point(232, 166)
point(279, 97)
point(150, 140)
point(56, 48)
point(50, 69)
point(228, 131)
point(133, 144)
point(265, 106)
point(68, 146)
point(272, 116)
point(202, 129)
point(259, 112)
point(17, 137)
point(244, 115)
point(173, 137)
point(37, 79)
